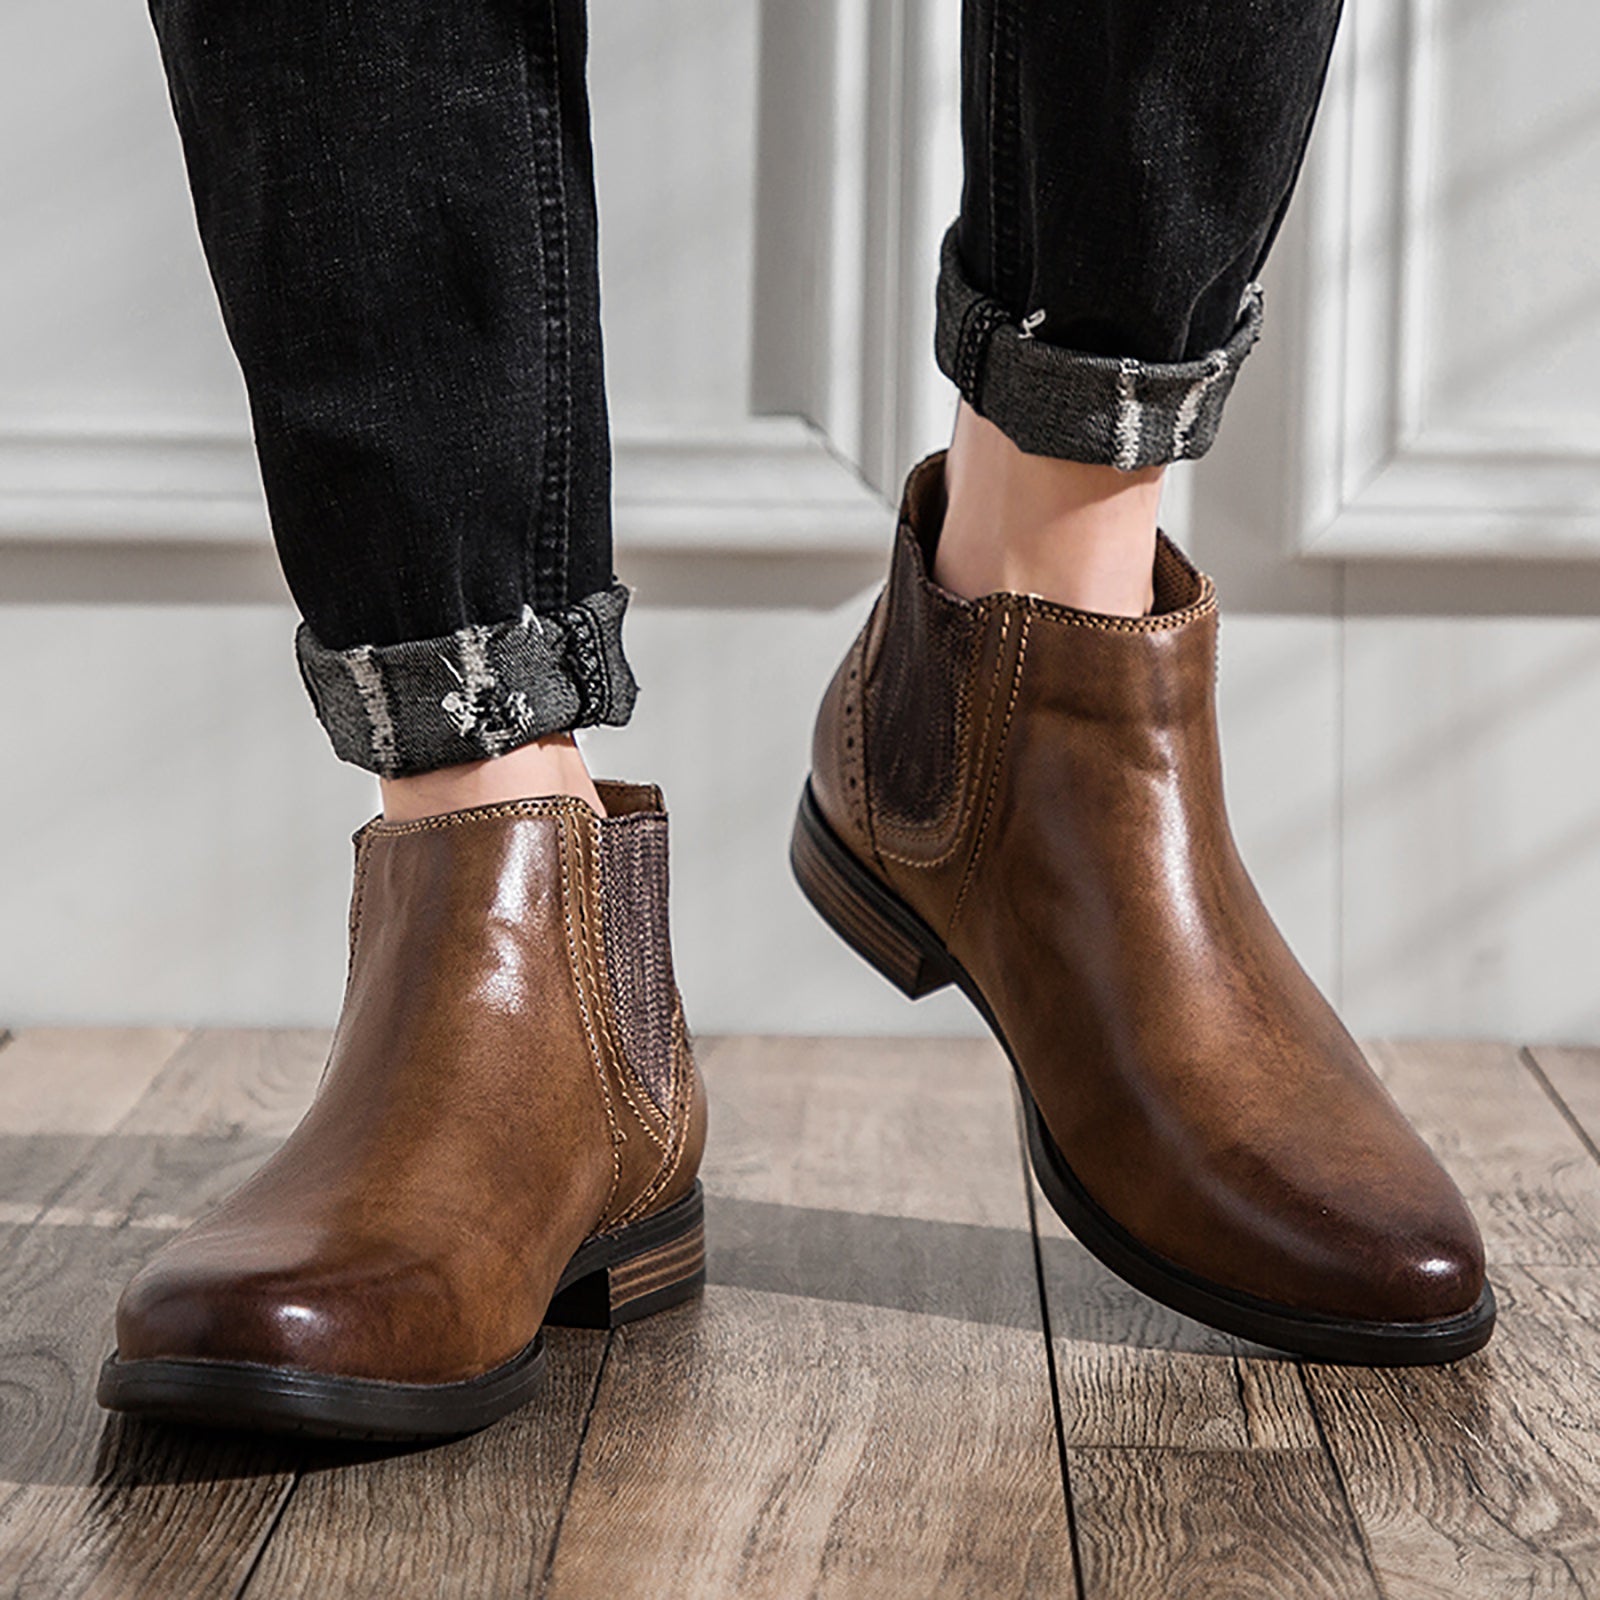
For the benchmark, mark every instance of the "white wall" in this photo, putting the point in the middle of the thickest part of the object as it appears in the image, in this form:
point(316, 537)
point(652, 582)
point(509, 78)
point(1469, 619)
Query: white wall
point(1410, 725)
point(177, 845)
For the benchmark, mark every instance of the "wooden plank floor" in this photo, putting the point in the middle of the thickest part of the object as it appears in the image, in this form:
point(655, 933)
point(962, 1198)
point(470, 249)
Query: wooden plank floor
point(905, 1378)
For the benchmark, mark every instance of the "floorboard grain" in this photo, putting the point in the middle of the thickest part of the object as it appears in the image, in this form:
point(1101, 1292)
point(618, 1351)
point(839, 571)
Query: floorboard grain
point(1132, 1372)
point(1193, 1459)
point(767, 1445)
point(218, 1109)
point(1571, 1076)
point(919, 1128)
point(1163, 1524)
point(1533, 1187)
point(878, 1439)
point(97, 1505)
point(1481, 1480)
point(61, 1089)
point(861, 1404)
point(473, 1518)
point(1173, 1508)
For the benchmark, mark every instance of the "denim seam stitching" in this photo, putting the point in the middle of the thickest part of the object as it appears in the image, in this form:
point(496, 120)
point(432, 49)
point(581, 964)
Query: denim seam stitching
point(1006, 163)
point(473, 693)
point(1054, 400)
point(977, 329)
point(550, 541)
point(596, 666)
point(993, 143)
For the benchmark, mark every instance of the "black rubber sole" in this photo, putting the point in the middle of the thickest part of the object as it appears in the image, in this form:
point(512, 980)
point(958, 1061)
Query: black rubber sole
point(613, 1279)
point(889, 935)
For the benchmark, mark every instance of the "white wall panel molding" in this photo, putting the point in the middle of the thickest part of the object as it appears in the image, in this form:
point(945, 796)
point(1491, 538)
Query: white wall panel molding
point(859, 173)
point(766, 484)
point(1446, 412)
point(105, 482)
point(123, 419)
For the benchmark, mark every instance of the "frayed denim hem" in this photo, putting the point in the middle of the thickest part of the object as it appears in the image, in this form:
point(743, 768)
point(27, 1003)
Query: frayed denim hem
point(478, 692)
point(1054, 402)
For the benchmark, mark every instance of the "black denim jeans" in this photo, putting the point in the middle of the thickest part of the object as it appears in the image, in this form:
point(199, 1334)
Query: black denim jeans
point(396, 202)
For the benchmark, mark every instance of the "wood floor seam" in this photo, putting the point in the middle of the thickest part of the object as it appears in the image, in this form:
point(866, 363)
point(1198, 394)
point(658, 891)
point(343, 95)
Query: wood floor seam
point(1334, 1466)
point(1051, 1373)
point(266, 1538)
point(1529, 1060)
point(857, 1404)
point(576, 1467)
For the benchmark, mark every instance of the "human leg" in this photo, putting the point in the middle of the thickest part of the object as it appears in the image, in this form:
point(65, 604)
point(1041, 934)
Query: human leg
point(396, 205)
point(1127, 169)
point(1020, 792)
point(397, 208)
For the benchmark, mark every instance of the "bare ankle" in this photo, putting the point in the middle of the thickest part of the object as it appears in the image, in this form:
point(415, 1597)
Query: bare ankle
point(1080, 534)
point(550, 766)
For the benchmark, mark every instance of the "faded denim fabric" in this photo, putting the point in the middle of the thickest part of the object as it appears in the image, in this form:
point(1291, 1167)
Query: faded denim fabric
point(474, 693)
point(1127, 167)
point(1119, 412)
point(396, 202)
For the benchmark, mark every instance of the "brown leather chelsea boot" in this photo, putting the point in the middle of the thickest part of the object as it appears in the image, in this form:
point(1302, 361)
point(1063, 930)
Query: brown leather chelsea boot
point(1026, 800)
point(506, 1134)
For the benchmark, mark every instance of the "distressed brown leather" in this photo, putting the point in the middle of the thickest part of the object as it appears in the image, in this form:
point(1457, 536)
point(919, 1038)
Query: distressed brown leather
point(479, 1117)
point(1071, 846)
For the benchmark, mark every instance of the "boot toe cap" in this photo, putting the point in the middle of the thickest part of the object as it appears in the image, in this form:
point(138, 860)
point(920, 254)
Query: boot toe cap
point(1392, 1260)
point(1427, 1273)
point(391, 1321)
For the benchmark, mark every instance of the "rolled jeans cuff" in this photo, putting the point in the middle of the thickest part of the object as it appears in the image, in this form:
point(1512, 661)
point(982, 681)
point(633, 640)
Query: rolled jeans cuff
point(1050, 401)
point(480, 691)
